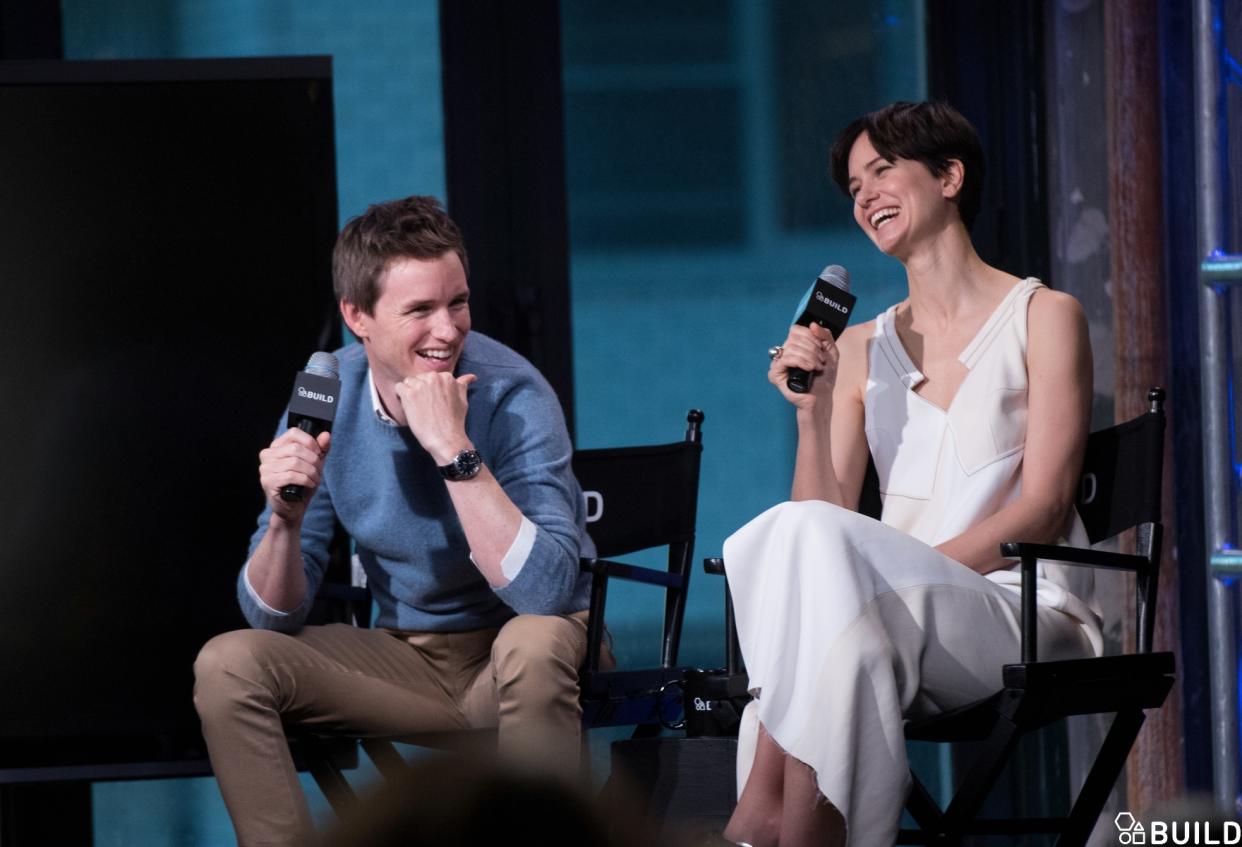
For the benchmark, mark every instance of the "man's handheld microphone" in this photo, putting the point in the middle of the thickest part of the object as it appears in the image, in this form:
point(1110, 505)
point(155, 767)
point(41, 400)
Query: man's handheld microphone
point(312, 408)
point(827, 302)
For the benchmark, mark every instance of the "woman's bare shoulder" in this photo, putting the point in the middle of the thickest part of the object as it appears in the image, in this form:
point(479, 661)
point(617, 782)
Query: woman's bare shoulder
point(1049, 298)
point(853, 345)
point(855, 336)
point(1055, 312)
point(1058, 340)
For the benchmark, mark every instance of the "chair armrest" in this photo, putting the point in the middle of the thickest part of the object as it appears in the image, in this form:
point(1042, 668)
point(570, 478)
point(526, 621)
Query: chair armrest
point(634, 573)
point(1075, 556)
point(1029, 554)
point(715, 565)
point(601, 570)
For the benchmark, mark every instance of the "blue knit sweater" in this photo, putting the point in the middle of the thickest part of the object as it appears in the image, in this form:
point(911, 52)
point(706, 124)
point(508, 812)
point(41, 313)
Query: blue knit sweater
point(385, 490)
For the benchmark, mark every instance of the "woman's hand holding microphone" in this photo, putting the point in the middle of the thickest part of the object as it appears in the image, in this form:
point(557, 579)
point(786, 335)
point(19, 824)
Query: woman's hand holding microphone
point(812, 349)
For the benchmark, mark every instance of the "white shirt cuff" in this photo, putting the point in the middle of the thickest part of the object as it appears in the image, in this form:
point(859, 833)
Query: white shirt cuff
point(254, 595)
point(518, 552)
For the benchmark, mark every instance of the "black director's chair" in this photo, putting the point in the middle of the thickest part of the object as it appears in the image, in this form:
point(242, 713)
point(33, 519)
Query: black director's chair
point(1120, 489)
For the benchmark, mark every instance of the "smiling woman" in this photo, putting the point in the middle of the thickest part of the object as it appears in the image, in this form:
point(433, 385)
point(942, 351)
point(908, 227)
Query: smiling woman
point(934, 135)
point(904, 191)
point(850, 625)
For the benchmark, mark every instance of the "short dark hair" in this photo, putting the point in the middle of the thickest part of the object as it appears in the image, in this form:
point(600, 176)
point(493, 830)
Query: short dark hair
point(931, 133)
point(411, 228)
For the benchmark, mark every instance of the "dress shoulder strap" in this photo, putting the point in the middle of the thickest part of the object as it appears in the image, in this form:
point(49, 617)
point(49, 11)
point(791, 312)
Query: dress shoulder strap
point(1010, 313)
point(889, 354)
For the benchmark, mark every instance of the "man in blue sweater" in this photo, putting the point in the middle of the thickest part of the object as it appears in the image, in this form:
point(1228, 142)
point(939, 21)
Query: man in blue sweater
point(449, 466)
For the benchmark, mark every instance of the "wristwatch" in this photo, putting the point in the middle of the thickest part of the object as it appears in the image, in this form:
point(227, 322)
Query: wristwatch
point(465, 465)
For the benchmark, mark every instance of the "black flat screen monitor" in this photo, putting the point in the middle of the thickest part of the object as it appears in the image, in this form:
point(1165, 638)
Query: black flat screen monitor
point(165, 260)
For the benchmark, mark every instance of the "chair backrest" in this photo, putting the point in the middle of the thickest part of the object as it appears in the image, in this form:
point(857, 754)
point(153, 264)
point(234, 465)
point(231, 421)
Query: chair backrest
point(643, 497)
point(639, 497)
point(1120, 486)
point(1120, 489)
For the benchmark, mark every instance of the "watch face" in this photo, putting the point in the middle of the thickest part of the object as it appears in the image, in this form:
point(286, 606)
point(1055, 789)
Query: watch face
point(468, 462)
point(465, 465)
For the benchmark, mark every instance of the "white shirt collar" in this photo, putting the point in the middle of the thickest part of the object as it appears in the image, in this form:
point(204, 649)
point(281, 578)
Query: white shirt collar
point(376, 404)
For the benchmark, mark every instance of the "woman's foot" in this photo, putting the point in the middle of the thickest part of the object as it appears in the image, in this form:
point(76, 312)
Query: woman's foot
point(756, 819)
point(755, 831)
point(713, 838)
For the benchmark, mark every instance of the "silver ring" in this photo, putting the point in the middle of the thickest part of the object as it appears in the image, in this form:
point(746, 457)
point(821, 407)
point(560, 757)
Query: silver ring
point(774, 353)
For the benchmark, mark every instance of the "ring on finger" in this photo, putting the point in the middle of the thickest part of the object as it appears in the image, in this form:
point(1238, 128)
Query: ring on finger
point(775, 352)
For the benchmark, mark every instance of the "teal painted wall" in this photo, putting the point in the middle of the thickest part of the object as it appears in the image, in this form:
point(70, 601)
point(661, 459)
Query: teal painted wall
point(699, 206)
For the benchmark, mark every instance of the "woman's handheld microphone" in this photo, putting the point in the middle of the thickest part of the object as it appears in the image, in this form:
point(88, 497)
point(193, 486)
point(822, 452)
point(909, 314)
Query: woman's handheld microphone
point(827, 302)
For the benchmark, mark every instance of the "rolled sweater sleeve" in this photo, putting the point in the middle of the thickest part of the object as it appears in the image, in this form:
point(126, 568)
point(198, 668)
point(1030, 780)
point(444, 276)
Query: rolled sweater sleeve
point(530, 456)
point(317, 530)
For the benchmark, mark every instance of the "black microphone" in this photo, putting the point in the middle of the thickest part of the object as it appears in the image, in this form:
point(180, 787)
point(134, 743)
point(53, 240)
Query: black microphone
point(312, 407)
point(827, 302)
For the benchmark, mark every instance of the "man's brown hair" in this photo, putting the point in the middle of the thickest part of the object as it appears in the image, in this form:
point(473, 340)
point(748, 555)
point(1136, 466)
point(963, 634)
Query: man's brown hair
point(411, 228)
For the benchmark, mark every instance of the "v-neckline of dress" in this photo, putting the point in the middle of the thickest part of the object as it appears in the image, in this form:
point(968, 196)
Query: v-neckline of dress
point(911, 376)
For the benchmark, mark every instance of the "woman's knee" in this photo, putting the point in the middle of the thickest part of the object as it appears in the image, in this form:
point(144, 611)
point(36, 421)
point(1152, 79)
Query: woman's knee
point(830, 525)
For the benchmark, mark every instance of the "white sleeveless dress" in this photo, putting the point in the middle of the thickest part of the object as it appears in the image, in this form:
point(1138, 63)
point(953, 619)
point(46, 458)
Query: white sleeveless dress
point(850, 625)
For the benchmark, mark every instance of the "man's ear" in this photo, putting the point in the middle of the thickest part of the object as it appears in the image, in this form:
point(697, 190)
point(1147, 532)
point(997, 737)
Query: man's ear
point(952, 179)
point(352, 315)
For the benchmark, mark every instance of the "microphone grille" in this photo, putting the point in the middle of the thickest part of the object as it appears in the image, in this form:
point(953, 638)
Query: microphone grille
point(836, 275)
point(324, 364)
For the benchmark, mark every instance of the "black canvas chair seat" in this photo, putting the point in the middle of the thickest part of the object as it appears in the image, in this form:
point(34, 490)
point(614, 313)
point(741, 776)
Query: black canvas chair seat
point(637, 498)
point(1050, 691)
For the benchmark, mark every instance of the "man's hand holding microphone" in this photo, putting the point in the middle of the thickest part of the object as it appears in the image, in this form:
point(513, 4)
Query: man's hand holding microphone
point(291, 468)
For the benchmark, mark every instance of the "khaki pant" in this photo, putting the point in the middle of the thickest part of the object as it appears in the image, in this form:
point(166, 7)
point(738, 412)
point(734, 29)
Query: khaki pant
point(250, 684)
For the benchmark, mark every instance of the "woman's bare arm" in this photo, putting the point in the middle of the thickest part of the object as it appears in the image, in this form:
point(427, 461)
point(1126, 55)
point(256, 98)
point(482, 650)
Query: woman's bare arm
point(1059, 372)
point(832, 448)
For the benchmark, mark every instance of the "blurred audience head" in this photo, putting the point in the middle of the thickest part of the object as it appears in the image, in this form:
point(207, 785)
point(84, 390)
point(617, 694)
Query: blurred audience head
point(457, 800)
